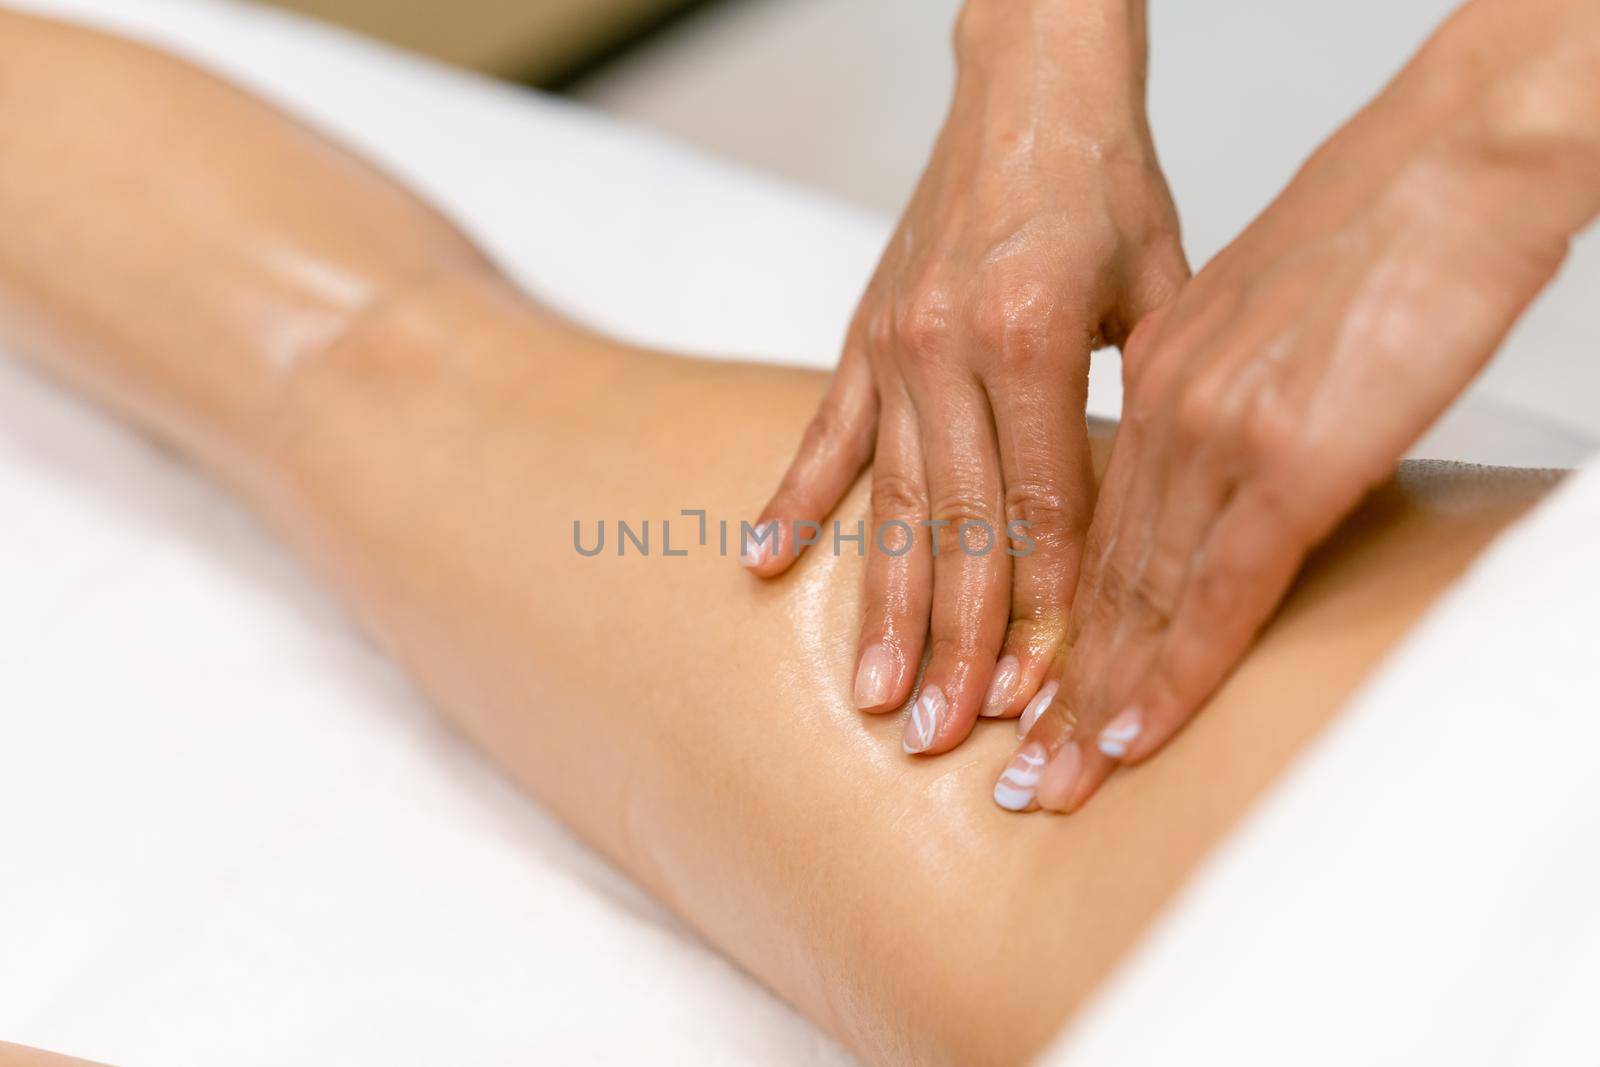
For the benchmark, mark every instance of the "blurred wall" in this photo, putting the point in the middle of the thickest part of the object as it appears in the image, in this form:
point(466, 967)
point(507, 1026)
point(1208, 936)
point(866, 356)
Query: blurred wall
point(540, 41)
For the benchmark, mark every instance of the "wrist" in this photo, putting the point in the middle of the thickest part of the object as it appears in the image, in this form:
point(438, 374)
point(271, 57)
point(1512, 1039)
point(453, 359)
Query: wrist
point(1083, 42)
point(1072, 71)
point(1511, 92)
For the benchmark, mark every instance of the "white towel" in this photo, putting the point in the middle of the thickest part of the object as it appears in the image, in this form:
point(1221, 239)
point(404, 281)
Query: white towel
point(1424, 885)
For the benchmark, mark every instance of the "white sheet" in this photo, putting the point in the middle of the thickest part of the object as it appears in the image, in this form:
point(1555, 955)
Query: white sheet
point(338, 880)
point(1423, 887)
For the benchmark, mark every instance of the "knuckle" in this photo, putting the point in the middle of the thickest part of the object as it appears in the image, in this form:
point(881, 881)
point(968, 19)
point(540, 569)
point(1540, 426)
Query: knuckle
point(1215, 586)
point(1038, 623)
point(955, 641)
point(825, 431)
point(923, 324)
point(1199, 416)
point(1012, 318)
point(1271, 431)
point(1212, 592)
point(962, 506)
point(1128, 584)
point(965, 523)
point(895, 496)
point(1053, 519)
point(1283, 506)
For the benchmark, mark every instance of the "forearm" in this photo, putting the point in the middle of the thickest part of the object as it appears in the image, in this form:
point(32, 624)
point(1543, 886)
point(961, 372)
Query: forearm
point(1066, 73)
point(1536, 128)
point(1497, 122)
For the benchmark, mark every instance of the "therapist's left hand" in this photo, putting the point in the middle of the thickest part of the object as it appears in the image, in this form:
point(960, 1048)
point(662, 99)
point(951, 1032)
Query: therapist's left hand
point(1293, 372)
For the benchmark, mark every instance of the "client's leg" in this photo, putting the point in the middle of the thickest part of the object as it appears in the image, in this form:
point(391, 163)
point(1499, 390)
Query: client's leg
point(431, 443)
point(696, 724)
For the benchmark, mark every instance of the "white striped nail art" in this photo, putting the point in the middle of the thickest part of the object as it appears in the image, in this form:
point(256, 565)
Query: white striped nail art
point(927, 714)
point(1121, 732)
point(1014, 791)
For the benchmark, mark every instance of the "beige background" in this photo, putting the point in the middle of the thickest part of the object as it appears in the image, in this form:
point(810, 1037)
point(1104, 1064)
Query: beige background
point(532, 40)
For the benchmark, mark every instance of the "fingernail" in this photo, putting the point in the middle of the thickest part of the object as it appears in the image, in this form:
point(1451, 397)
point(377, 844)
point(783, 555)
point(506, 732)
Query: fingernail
point(874, 676)
point(760, 544)
point(1060, 778)
point(1014, 790)
point(926, 715)
point(1036, 706)
point(1121, 732)
point(1005, 680)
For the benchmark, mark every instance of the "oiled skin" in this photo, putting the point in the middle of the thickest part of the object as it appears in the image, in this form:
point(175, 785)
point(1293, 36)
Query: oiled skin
point(426, 436)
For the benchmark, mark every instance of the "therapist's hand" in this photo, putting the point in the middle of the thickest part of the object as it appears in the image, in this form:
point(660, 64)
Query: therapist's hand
point(1298, 366)
point(1042, 227)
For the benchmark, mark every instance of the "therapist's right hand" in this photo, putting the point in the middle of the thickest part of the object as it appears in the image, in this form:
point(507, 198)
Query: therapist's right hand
point(1041, 229)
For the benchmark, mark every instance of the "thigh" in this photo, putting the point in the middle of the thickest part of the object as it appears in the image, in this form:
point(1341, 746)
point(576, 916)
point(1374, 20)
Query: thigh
point(695, 722)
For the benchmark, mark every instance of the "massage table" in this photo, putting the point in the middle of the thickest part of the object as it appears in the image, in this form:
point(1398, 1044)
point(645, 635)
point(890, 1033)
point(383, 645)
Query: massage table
point(231, 832)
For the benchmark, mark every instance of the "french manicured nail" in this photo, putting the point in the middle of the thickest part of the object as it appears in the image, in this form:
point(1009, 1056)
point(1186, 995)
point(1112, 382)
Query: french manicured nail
point(1014, 791)
point(760, 544)
point(926, 715)
point(1036, 706)
point(1000, 689)
point(1060, 779)
point(874, 675)
point(1121, 732)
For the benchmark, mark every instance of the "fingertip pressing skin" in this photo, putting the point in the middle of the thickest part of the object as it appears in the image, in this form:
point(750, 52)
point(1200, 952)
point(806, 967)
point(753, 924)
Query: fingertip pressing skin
point(1041, 700)
point(1002, 687)
point(1016, 786)
point(1059, 783)
point(1024, 668)
point(1052, 769)
point(1118, 737)
point(877, 673)
point(759, 548)
point(945, 710)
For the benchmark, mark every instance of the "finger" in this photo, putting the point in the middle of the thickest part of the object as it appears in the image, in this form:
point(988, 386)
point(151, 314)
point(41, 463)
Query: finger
point(1208, 455)
point(899, 579)
point(836, 445)
point(1158, 277)
point(1052, 768)
point(1242, 572)
point(1110, 603)
point(1165, 485)
point(1049, 495)
point(1192, 455)
point(1052, 723)
point(971, 570)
